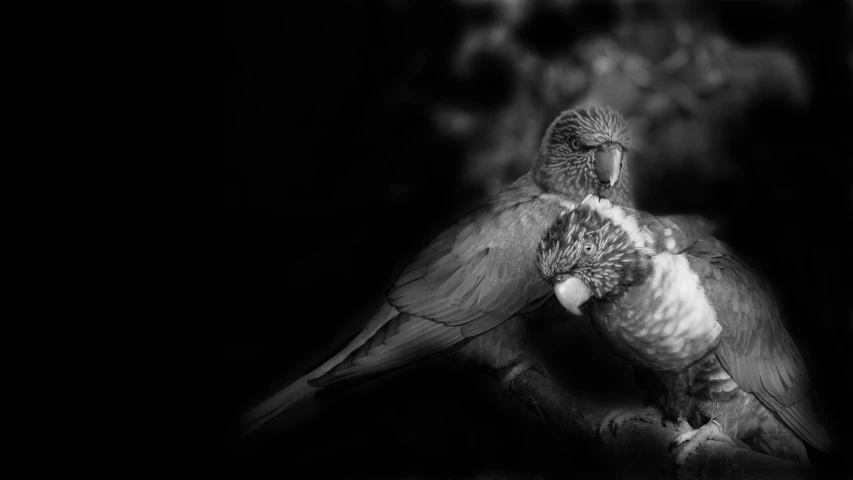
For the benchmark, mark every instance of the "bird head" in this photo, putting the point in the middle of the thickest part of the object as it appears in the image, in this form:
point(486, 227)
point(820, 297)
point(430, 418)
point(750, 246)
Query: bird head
point(584, 152)
point(594, 250)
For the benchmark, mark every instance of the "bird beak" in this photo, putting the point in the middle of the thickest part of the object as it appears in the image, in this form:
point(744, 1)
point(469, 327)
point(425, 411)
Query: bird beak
point(608, 162)
point(572, 293)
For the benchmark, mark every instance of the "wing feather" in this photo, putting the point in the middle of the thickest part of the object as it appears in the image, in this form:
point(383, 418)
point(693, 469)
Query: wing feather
point(471, 278)
point(485, 323)
point(435, 337)
point(674, 233)
point(416, 288)
point(755, 348)
point(411, 274)
point(803, 415)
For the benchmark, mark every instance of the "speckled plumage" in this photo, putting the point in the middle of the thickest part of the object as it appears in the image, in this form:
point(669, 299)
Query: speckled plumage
point(561, 168)
point(666, 321)
point(702, 323)
point(478, 273)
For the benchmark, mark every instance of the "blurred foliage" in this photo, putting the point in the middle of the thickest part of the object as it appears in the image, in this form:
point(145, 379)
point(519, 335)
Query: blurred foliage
point(671, 72)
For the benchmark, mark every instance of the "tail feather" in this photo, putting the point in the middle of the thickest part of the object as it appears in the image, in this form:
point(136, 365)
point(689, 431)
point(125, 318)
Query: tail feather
point(802, 418)
point(414, 345)
point(300, 390)
point(281, 401)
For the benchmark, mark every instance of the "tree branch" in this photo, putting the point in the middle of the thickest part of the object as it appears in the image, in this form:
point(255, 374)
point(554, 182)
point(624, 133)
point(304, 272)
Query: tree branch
point(643, 446)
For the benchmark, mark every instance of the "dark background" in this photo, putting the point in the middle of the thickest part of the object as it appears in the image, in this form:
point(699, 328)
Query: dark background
point(353, 132)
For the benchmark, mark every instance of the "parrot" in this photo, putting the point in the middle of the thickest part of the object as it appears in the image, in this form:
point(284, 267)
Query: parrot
point(480, 272)
point(701, 329)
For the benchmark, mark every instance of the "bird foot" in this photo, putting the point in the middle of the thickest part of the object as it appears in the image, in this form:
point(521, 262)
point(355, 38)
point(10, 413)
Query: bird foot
point(615, 418)
point(518, 366)
point(690, 441)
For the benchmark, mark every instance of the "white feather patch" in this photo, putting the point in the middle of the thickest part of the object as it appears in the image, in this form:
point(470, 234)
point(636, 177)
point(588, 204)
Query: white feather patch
point(684, 307)
point(618, 216)
point(670, 312)
point(719, 375)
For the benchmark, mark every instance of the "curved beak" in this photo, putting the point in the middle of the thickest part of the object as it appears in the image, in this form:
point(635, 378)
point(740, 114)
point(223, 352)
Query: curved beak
point(608, 162)
point(572, 293)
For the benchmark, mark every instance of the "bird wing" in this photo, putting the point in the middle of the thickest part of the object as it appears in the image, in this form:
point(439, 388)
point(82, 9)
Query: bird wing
point(755, 348)
point(472, 277)
point(675, 233)
point(481, 272)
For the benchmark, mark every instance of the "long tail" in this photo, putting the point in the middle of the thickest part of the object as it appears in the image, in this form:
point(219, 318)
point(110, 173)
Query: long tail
point(292, 395)
point(300, 390)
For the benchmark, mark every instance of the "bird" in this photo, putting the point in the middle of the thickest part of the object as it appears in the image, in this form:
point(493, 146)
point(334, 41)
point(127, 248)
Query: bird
point(480, 272)
point(700, 327)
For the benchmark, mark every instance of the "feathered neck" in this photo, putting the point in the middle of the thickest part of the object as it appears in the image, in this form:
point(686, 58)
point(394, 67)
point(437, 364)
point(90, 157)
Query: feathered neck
point(640, 266)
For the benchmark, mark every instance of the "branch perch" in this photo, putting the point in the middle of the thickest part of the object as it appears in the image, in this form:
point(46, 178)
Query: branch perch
point(643, 446)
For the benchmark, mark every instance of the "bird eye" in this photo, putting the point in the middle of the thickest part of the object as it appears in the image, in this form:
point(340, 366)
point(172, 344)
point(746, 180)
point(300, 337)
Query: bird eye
point(588, 248)
point(576, 144)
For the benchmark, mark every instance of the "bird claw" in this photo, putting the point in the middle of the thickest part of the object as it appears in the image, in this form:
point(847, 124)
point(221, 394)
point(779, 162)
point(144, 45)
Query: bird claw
point(615, 418)
point(689, 441)
point(519, 365)
point(682, 427)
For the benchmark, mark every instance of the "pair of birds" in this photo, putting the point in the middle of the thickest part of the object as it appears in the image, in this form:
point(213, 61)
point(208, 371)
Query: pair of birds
point(700, 328)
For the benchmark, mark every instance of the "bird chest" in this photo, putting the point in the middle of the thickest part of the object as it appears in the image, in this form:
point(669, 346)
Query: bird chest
point(665, 323)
